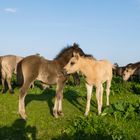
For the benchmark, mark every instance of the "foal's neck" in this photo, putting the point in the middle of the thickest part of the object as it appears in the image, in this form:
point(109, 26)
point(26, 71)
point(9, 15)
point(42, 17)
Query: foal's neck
point(62, 61)
point(85, 65)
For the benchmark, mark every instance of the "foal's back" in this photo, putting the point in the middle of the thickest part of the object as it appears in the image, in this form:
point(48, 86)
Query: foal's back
point(28, 67)
point(105, 67)
point(31, 63)
point(102, 70)
point(36, 67)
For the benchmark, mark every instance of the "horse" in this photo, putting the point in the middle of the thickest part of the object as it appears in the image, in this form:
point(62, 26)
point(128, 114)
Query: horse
point(8, 65)
point(118, 71)
point(131, 70)
point(96, 72)
point(47, 71)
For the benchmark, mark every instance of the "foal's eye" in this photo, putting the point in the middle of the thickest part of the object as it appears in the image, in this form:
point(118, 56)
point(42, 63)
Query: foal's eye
point(72, 63)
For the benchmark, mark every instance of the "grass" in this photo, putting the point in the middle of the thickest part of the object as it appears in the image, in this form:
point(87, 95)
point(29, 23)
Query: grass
point(41, 125)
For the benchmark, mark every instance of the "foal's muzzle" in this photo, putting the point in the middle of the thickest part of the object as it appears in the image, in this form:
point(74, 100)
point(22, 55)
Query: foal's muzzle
point(65, 72)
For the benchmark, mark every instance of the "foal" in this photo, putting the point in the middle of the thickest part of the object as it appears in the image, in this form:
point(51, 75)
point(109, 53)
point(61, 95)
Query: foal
point(47, 71)
point(96, 73)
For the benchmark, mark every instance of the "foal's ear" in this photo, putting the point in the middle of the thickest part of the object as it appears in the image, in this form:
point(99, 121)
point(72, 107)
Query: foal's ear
point(75, 45)
point(76, 55)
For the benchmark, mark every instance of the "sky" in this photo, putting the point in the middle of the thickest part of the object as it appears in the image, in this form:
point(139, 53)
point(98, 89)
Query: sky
point(107, 29)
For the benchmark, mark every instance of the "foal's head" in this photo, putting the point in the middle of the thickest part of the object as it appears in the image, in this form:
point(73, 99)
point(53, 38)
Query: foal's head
point(73, 65)
point(75, 62)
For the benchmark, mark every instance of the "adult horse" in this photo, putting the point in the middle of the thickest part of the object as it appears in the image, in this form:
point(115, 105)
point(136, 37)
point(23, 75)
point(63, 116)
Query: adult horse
point(8, 65)
point(35, 67)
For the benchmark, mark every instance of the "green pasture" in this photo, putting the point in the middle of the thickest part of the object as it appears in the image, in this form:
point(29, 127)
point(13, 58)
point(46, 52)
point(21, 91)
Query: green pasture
point(119, 121)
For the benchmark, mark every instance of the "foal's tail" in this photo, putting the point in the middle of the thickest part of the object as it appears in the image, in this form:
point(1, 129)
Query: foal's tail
point(19, 74)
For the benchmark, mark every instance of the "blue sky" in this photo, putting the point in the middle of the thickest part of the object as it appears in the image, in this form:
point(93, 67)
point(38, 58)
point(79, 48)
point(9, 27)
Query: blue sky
point(108, 29)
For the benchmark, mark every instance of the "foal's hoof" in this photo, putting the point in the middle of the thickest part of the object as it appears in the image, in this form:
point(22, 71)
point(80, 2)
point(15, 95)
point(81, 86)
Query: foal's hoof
point(3, 91)
point(60, 113)
point(11, 91)
point(86, 114)
point(23, 116)
point(99, 113)
point(55, 114)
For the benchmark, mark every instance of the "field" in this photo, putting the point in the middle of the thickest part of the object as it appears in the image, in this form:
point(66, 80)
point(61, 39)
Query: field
point(119, 121)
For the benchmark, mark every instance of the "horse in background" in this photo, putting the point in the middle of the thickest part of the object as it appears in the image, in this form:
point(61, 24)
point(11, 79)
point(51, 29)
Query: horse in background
point(49, 72)
point(8, 66)
point(118, 71)
point(132, 69)
point(95, 72)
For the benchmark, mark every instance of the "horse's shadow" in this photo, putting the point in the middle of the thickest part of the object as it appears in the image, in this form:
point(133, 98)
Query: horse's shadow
point(73, 96)
point(78, 100)
point(47, 95)
point(18, 131)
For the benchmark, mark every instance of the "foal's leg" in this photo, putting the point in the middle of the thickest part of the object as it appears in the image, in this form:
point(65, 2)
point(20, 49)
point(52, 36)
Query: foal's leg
point(3, 77)
point(57, 110)
point(100, 99)
point(32, 85)
point(98, 90)
point(58, 103)
point(76, 79)
point(108, 91)
point(45, 86)
point(89, 92)
point(8, 80)
point(22, 94)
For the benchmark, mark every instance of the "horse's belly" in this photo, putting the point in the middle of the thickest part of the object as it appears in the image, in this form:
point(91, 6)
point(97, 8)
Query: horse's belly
point(47, 79)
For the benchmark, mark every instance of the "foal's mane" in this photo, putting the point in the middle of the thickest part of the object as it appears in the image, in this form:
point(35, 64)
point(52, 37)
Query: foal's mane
point(89, 56)
point(62, 52)
point(73, 48)
point(66, 51)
